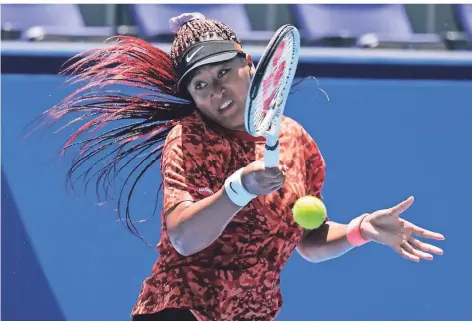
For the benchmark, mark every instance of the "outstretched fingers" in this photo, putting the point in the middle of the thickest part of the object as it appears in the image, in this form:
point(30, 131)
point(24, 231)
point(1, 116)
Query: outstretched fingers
point(401, 207)
point(425, 247)
point(418, 231)
point(405, 254)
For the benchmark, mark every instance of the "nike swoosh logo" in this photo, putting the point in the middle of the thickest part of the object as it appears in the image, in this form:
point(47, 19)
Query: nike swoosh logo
point(230, 185)
point(189, 58)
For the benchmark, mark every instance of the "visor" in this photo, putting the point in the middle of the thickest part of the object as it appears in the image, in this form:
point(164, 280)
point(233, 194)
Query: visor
point(204, 53)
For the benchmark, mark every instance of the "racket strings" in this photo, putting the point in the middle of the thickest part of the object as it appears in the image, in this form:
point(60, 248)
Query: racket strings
point(274, 77)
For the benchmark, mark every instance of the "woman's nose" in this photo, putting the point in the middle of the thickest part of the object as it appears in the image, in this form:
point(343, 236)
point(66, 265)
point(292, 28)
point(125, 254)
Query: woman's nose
point(218, 89)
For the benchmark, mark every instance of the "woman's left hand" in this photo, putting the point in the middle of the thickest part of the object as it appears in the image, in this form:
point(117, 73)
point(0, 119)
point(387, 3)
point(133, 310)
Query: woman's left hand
point(386, 227)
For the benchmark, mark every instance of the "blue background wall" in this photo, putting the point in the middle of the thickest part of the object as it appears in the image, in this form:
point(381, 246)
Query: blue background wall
point(66, 257)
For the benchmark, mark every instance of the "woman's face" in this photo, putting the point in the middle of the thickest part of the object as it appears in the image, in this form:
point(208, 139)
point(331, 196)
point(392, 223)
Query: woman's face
point(220, 90)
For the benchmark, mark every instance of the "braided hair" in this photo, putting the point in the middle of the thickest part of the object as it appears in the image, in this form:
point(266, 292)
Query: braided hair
point(137, 124)
point(198, 30)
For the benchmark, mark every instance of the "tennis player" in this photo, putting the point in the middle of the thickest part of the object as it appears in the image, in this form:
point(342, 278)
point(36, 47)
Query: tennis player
point(221, 254)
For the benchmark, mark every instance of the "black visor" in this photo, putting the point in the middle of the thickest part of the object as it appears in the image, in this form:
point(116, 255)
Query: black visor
point(206, 52)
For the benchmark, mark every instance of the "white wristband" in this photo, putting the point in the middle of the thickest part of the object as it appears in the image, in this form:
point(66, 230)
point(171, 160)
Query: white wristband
point(236, 191)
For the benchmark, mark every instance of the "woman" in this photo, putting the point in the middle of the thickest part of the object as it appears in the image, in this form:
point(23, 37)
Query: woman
point(227, 229)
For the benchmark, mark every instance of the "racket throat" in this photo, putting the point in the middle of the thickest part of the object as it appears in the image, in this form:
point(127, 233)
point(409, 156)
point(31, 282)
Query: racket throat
point(272, 146)
point(271, 154)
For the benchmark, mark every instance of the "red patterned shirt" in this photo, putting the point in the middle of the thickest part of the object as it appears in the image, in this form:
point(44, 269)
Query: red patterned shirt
point(237, 277)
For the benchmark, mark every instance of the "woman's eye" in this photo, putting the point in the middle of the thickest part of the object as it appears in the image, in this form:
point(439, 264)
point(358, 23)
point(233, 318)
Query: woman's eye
point(222, 73)
point(200, 85)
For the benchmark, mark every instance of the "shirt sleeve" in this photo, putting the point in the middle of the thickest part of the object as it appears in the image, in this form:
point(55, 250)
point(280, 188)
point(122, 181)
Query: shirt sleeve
point(315, 166)
point(183, 178)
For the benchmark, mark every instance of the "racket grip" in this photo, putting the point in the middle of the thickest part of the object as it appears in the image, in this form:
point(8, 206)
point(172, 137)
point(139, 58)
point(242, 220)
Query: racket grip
point(271, 155)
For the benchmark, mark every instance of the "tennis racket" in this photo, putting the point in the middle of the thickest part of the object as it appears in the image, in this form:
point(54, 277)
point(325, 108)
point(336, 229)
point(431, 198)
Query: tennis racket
point(269, 90)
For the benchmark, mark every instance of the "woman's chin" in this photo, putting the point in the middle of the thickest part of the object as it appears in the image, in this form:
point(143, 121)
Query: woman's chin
point(239, 126)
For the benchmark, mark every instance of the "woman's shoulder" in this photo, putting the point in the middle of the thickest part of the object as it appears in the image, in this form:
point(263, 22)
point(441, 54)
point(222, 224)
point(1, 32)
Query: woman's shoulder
point(289, 126)
point(191, 126)
point(192, 133)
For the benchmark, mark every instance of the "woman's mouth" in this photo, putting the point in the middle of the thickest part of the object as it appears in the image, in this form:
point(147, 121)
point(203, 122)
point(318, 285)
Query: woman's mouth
point(226, 106)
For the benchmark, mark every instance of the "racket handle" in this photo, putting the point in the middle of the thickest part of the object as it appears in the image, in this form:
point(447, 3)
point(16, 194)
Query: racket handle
point(271, 155)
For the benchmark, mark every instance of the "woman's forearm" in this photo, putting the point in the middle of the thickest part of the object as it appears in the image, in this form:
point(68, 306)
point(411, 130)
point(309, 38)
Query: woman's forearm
point(327, 242)
point(194, 227)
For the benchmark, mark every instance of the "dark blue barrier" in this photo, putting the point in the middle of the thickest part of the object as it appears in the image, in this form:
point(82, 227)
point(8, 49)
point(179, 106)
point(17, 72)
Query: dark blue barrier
point(66, 257)
point(48, 58)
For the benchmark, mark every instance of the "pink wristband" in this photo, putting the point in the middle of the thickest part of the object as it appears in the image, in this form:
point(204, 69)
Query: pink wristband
point(353, 232)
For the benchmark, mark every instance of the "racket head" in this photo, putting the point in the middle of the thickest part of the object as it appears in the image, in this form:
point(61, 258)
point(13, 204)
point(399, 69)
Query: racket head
point(271, 84)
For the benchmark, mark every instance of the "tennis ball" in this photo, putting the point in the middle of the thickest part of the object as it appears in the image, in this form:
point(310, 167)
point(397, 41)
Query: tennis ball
point(309, 212)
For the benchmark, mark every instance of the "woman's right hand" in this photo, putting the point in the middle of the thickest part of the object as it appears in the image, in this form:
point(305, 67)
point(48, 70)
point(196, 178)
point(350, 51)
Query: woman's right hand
point(261, 181)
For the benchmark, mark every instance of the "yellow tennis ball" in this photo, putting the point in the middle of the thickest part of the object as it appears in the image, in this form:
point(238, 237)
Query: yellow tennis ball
point(309, 212)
